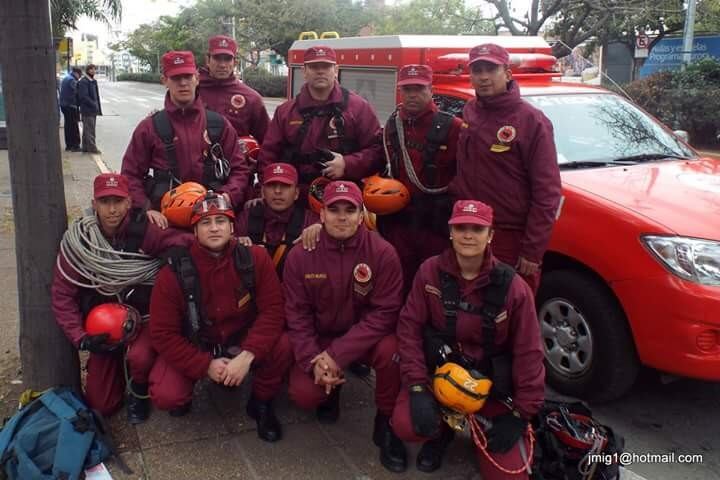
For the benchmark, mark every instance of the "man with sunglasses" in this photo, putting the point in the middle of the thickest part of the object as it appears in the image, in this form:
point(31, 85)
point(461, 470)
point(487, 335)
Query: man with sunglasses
point(342, 306)
point(184, 142)
point(219, 311)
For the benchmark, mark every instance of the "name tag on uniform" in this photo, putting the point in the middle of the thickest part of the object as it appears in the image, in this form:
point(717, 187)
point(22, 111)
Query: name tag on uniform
point(296, 122)
point(315, 276)
point(496, 148)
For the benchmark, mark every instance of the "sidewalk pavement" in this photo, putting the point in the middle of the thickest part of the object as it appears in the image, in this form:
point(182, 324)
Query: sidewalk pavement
point(217, 440)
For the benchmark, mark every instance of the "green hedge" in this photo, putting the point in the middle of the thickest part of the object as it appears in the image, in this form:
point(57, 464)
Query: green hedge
point(684, 100)
point(267, 84)
point(148, 77)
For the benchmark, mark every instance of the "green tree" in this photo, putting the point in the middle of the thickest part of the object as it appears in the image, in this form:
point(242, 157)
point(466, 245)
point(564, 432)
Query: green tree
point(441, 17)
point(65, 13)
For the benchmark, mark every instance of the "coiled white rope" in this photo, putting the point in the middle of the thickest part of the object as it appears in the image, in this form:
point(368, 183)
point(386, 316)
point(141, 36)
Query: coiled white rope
point(99, 265)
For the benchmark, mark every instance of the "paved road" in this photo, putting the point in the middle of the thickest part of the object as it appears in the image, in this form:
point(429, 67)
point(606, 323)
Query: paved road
point(681, 417)
point(124, 105)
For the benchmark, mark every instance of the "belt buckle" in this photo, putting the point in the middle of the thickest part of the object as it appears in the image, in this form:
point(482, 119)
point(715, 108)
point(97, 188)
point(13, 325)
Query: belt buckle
point(217, 351)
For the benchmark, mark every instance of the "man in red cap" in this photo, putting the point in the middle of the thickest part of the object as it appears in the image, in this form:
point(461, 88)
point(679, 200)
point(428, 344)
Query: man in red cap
point(225, 94)
point(342, 301)
point(507, 159)
point(279, 220)
point(326, 129)
point(421, 143)
point(233, 327)
point(467, 308)
point(82, 281)
point(184, 142)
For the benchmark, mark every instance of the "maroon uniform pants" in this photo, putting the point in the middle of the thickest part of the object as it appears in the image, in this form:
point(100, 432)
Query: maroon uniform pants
point(105, 383)
point(383, 358)
point(506, 247)
point(413, 246)
point(512, 460)
point(170, 389)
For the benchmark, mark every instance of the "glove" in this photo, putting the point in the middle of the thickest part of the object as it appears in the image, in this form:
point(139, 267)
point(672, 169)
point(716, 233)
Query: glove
point(424, 411)
point(97, 343)
point(506, 430)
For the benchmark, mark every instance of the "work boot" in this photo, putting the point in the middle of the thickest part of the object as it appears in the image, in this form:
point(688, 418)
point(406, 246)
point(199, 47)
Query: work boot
point(359, 369)
point(392, 450)
point(430, 456)
point(329, 411)
point(181, 411)
point(138, 403)
point(268, 426)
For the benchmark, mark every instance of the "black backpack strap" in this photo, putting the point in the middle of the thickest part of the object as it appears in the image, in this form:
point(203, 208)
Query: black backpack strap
point(295, 225)
point(164, 130)
point(436, 137)
point(450, 295)
point(494, 300)
point(256, 223)
point(245, 268)
point(181, 262)
point(215, 125)
point(135, 233)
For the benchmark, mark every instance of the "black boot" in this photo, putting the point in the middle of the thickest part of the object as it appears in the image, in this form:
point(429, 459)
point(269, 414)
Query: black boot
point(268, 426)
point(392, 450)
point(329, 411)
point(181, 411)
point(359, 369)
point(138, 403)
point(431, 454)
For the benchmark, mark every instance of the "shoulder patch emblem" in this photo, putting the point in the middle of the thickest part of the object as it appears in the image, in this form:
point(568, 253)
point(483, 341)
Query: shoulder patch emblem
point(506, 134)
point(237, 101)
point(362, 273)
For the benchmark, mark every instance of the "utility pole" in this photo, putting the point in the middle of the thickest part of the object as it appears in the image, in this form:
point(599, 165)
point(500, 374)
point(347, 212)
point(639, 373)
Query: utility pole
point(26, 50)
point(688, 34)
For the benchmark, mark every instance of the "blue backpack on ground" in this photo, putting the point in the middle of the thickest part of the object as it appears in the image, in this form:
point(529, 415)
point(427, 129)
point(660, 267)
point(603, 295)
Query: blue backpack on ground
point(56, 436)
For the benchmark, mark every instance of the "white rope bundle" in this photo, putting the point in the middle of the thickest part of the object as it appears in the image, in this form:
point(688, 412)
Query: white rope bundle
point(99, 265)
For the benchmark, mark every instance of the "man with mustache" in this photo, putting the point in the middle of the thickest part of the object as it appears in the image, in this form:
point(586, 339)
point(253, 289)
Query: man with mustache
point(507, 159)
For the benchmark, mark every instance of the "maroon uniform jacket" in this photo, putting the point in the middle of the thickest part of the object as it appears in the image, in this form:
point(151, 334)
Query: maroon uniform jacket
point(65, 294)
point(507, 159)
point(228, 311)
point(361, 126)
point(147, 150)
point(517, 327)
point(350, 291)
point(415, 129)
point(275, 223)
point(237, 102)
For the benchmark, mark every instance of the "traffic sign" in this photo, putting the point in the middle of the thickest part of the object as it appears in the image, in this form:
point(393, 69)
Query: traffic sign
point(642, 41)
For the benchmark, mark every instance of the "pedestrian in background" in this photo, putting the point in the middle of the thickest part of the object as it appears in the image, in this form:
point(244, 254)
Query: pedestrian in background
point(70, 110)
point(89, 101)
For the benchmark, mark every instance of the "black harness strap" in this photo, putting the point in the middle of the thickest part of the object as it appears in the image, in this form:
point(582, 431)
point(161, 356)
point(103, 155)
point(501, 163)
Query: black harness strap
point(215, 124)
point(256, 224)
point(436, 137)
point(181, 262)
point(246, 268)
point(256, 231)
point(164, 130)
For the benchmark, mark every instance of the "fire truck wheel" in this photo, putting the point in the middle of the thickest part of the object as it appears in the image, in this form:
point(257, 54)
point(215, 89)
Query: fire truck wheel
point(589, 349)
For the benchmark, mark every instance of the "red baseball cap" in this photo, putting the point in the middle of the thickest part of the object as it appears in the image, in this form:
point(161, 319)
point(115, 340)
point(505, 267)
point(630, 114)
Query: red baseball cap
point(110, 185)
point(222, 45)
point(415, 75)
point(319, 54)
point(472, 212)
point(280, 172)
point(342, 190)
point(489, 52)
point(178, 63)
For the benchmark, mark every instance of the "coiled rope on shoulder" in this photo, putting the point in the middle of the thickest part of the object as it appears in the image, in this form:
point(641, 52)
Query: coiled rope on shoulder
point(99, 265)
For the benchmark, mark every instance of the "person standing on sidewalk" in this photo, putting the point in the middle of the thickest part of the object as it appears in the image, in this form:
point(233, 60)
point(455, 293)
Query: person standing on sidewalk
point(507, 159)
point(69, 108)
point(90, 108)
point(342, 303)
point(425, 163)
point(222, 92)
point(326, 129)
point(118, 228)
point(233, 326)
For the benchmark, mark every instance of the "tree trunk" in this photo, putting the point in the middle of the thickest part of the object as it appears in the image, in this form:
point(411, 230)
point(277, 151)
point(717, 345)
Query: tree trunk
point(29, 87)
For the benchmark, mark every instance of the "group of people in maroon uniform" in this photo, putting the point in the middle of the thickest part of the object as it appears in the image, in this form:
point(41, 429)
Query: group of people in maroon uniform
point(278, 292)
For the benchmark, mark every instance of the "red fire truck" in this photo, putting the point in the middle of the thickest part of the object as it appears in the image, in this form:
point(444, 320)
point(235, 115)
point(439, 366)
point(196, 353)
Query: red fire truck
point(632, 274)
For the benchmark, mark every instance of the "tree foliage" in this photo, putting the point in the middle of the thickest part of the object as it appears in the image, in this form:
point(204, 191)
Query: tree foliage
point(451, 17)
point(65, 13)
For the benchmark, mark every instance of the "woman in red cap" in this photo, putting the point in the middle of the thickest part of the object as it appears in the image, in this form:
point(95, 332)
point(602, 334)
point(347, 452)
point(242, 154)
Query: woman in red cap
point(454, 304)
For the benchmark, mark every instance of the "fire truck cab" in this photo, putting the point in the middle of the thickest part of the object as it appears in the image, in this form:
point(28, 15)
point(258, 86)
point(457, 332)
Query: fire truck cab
point(631, 277)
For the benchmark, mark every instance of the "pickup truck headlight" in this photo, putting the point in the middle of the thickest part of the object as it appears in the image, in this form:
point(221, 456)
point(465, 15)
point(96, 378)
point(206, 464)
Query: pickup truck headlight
point(689, 258)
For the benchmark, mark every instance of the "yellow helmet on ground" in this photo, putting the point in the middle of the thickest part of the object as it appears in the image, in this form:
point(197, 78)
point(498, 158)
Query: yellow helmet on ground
point(460, 389)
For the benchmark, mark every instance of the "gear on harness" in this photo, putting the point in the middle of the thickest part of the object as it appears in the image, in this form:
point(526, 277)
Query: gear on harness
point(436, 137)
point(384, 196)
point(250, 148)
point(177, 204)
point(314, 162)
point(182, 264)
point(460, 389)
point(119, 321)
point(216, 168)
point(278, 252)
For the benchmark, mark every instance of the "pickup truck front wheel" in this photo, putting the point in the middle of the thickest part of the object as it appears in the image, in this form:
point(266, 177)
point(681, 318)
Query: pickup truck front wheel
point(589, 350)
